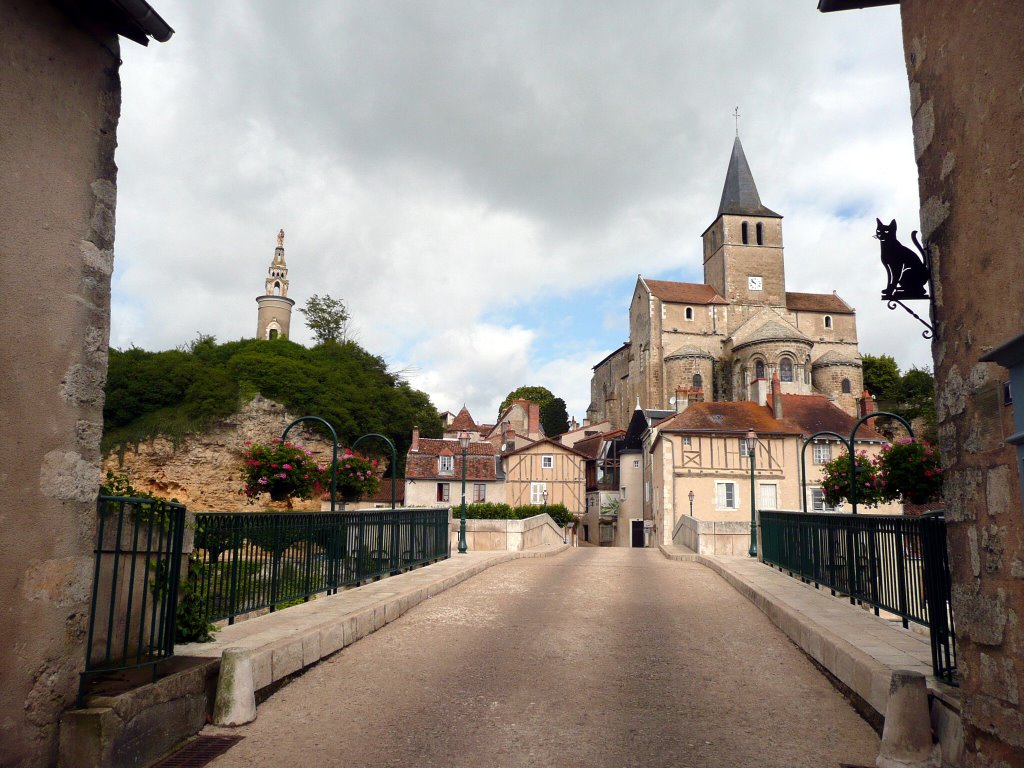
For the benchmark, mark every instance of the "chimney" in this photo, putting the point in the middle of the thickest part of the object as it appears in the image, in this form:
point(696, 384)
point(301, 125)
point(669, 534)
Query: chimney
point(776, 396)
point(586, 422)
point(415, 447)
point(534, 411)
point(867, 404)
point(682, 399)
point(698, 395)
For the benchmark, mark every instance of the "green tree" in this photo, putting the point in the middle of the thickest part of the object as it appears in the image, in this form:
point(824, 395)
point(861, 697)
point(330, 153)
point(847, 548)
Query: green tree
point(881, 377)
point(540, 395)
point(327, 318)
point(554, 417)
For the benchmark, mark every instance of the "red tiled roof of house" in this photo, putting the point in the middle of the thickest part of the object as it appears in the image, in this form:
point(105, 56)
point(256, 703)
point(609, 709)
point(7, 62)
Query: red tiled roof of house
point(817, 302)
point(462, 421)
point(729, 416)
point(479, 467)
point(431, 446)
point(383, 493)
point(815, 413)
point(684, 293)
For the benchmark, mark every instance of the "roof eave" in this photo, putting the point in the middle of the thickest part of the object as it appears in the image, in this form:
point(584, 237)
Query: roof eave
point(829, 6)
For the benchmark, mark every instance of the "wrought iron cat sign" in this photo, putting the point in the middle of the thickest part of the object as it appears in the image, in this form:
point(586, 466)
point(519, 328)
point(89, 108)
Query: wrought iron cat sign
point(908, 273)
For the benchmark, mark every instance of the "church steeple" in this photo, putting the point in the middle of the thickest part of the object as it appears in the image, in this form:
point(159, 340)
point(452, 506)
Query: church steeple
point(275, 308)
point(739, 195)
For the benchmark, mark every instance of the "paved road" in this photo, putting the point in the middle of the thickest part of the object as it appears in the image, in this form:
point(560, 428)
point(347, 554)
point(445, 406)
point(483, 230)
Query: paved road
point(596, 657)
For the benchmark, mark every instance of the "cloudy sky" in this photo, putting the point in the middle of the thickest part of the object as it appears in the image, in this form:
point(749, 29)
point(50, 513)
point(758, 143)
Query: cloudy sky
point(481, 182)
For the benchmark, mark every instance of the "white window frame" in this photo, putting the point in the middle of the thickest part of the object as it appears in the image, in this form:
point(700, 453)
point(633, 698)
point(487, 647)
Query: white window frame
point(688, 314)
point(446, 465)
point(547, 461)
point(537, 493)
point(746, 446)
point(722, 495)
point(819, 505)
point(479, 492)
point(443, 492)
point(822, 452)
point(636, 463)
point(687, 442)
point(828, 321)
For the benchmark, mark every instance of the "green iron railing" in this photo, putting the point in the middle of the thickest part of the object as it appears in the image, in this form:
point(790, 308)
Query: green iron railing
point(256, 560)
point(135, 586)
point(893, 563)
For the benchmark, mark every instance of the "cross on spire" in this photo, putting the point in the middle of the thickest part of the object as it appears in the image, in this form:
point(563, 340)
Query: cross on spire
point(736, 114)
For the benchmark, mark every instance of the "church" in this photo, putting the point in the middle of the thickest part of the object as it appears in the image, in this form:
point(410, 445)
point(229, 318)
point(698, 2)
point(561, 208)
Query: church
point(725, 339)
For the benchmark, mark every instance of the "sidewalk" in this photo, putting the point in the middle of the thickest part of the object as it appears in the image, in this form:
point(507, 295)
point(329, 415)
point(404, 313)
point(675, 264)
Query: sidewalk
point(858, 648)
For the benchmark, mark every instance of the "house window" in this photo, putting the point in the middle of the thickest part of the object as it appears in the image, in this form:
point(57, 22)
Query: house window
point(445, 465)
point(444, 491)
point(479, 492)
point(686, 441)
point(547, 462)
point(759, 369)
point(818, 501)
point(746, 447)
point(760, 234)
point(786, 369)
point(725, 496)
point(698, 381)
point(828, 321)
point(537, 493)
point(689, 313)
point(846, 386)
point(822, 453)
point(769, 496)
point(745, 232)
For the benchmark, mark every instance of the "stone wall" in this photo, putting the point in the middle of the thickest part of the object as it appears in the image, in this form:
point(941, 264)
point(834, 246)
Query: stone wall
point(61, 100)
point(203, 471)
point(965, 64)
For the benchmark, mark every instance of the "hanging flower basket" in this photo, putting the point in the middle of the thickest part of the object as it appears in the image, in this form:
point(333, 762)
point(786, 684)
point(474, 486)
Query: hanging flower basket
point(911, 469)
point(285, 470)
point(356, 476)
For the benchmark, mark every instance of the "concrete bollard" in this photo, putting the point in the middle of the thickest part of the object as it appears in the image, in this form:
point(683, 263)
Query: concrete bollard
point(907, 734)
point(235, 703)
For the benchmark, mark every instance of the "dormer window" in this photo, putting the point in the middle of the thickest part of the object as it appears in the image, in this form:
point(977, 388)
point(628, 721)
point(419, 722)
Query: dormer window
point(828, 321)
point(689, 313)
point(760, 233)
point(745, 233)
point(445, 465)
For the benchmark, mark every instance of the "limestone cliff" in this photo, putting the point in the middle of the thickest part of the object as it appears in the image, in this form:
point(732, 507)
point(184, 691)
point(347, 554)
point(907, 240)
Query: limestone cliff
point(203, 470)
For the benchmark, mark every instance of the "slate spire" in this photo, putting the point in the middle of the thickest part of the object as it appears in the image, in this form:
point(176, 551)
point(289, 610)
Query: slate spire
point(739, 195)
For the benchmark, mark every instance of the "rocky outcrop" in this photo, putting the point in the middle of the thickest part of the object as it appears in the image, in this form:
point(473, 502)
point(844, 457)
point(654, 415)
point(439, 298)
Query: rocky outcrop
point(203, 471)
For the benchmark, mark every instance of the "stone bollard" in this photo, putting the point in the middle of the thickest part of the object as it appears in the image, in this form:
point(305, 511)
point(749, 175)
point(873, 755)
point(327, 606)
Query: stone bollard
point(907, 734)
point(235, 703)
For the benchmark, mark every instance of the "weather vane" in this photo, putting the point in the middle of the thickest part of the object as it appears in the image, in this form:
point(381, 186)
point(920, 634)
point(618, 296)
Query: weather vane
point(736, 114)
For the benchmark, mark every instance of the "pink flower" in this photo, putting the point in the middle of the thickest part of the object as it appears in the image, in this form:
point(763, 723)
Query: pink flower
point(262, 481)
point(286, 466)
point(283, 476)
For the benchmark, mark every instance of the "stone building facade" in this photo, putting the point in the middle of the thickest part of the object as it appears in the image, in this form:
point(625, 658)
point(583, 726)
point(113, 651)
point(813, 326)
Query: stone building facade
point(965, 66)
point(274, 316)
point(61, 96)
point(725, 338)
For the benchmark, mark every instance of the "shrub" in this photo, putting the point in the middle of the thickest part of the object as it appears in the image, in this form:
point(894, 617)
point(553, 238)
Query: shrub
point(496, 511)
point(282, 469)
point(357, 476)
point(835, 481)
point(911, 469)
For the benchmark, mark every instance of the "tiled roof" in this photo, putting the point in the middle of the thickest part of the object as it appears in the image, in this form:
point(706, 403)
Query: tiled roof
point(546, 442)
point(684, 293)
point(591, 446)
point(430, 446)
point(817, 302)
point(689, 350)
point(773, 330)
point(815, 413)
point(383, 493)
point(833, 357)
point(462, 421)
point(479, 467)
point(729, 416)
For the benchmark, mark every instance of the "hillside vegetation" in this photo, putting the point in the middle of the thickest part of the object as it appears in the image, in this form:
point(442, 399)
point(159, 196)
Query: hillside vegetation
point(181, 391)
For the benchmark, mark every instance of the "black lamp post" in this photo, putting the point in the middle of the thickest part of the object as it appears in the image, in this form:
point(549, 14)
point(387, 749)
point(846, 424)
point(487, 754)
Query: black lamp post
point(752, 455)
point(464, 444)
point(691, 503)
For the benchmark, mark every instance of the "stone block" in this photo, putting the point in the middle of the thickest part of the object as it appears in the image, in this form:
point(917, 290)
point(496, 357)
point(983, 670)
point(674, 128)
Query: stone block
point(262, 668)
point(907, 735)
point(235, 702)
point(310, 648)
point(286, 658)
point(332, 638)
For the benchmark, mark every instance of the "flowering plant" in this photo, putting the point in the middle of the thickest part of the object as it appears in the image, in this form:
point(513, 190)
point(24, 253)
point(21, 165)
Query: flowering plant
point(835, 481)
point(911, 469)
point(357, 475)
point(282, 469)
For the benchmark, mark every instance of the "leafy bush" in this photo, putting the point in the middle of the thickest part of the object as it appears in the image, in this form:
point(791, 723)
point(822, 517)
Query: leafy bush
point(835, 481)
point(911, 469)
point(495, 511)
point(357, 475)
point(282, 469)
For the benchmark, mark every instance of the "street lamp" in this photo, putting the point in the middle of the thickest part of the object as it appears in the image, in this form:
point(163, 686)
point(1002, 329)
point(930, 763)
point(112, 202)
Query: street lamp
point(752, 455)
point(464, 444)
point(691, 503)
point(544, 495)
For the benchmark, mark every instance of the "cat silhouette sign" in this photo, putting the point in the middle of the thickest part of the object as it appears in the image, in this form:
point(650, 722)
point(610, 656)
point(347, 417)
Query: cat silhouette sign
point(908, 273)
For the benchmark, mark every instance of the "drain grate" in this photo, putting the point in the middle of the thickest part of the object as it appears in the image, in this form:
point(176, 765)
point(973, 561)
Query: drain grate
point(199, 752)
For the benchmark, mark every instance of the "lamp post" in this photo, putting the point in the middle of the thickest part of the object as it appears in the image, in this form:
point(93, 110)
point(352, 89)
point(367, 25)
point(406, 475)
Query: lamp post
point(691, 503)
point(464, 444)
point(544, 495)
point(752, 455)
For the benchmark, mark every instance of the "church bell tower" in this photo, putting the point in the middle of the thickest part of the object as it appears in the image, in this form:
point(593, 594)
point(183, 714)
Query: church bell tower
point(275, 308)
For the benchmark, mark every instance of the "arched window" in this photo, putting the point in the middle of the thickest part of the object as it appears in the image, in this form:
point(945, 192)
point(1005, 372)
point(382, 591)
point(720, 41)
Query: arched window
point(828, 321)
point(689, 313)
point(698, 381)
point(759, 369)
point(846, 386)
point(277, 289)
point(760, 233)
point(786, 369)
point(272, 334)
point(744, 233)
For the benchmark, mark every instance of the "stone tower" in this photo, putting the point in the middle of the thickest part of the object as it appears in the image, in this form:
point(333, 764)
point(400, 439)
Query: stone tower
point(275, 308)
point(743, 247)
